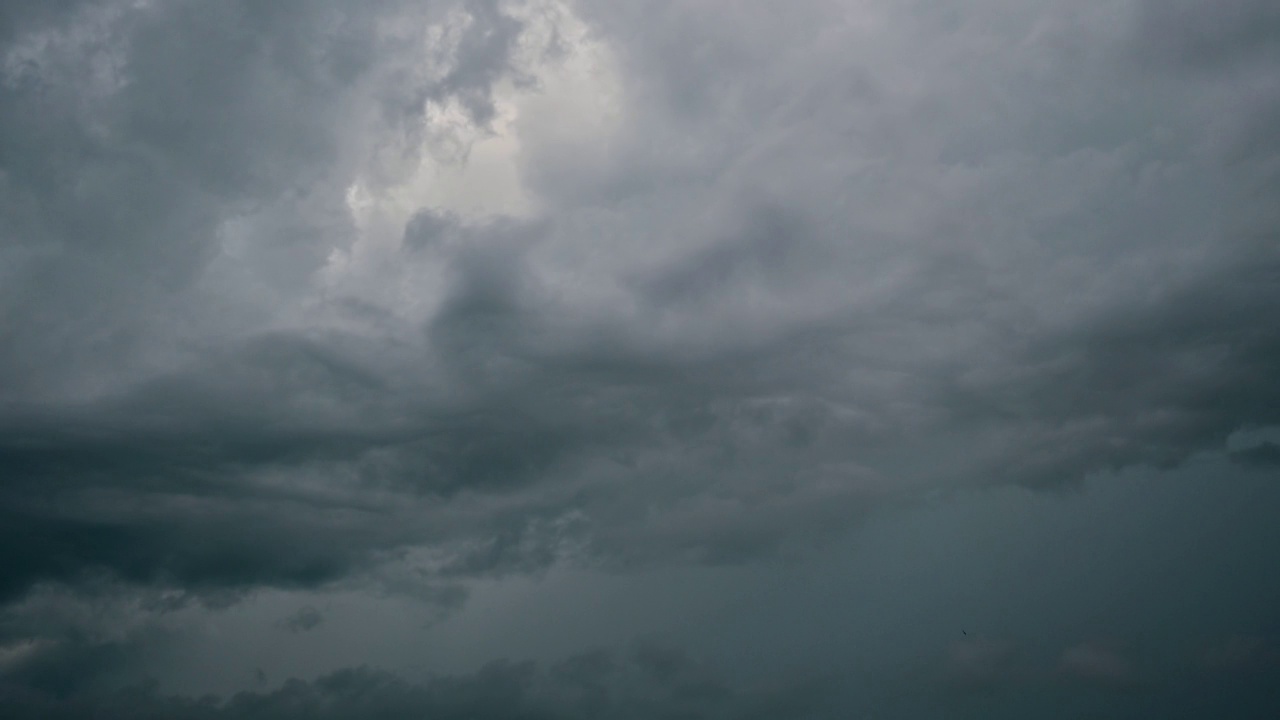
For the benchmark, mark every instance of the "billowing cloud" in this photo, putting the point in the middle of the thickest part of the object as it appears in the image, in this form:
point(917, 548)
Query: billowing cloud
point(236, 303)
point(413, 295)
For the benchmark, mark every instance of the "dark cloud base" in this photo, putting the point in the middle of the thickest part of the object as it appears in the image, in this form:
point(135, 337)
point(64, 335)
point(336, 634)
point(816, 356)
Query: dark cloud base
point(647, 681)
point(656, 681)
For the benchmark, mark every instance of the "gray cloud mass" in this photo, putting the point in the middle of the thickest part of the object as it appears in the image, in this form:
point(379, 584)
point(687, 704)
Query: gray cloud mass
point(312, 296)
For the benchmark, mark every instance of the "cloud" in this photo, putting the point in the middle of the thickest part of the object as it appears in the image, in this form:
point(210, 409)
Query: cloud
point(1262, 455)
point(599, 684)
point(1218, 37)
point(262, 325)
point(305, 619)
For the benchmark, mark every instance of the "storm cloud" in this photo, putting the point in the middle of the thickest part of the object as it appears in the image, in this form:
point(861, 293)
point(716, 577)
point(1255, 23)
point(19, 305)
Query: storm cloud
point(414, 297)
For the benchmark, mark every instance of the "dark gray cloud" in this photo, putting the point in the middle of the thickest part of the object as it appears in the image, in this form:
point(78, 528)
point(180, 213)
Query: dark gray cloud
point(411, 296)
point(1212, 37)
point(646, 681)
point(765, 369)
point(132, 135)
point(655, 680)
point(1262, 455)
point(306, 618)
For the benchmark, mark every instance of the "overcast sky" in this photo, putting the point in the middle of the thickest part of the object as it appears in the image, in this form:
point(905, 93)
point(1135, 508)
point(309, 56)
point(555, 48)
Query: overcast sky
point(639, 359)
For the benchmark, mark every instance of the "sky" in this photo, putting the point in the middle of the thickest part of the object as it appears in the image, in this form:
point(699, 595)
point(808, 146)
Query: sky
point(639, 359)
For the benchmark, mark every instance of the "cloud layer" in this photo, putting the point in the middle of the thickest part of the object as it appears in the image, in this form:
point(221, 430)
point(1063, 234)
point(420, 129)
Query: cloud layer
point(404, 295)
